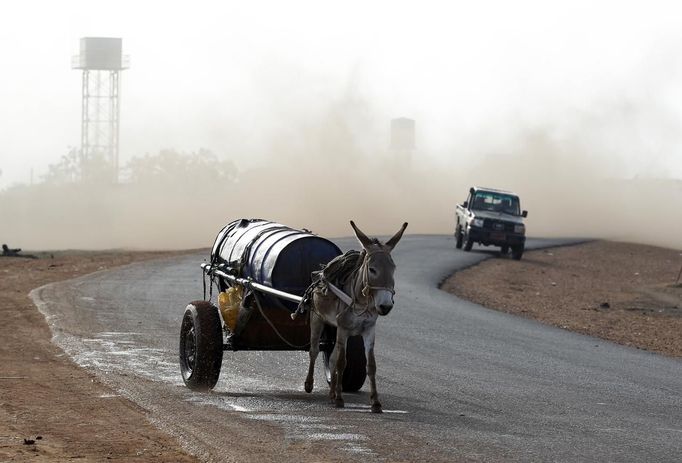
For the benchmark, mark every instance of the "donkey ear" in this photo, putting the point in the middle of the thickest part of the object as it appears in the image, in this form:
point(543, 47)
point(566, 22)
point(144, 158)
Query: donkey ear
point(394, 240)
point(362, 238)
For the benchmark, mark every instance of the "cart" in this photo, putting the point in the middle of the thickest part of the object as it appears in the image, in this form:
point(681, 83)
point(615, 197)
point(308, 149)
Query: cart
point(269, 266)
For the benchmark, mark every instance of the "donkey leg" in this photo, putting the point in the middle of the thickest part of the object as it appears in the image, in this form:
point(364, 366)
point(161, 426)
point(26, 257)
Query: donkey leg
point(340, 365)
point(332, 368)
point(316, 326)
point(368, 337)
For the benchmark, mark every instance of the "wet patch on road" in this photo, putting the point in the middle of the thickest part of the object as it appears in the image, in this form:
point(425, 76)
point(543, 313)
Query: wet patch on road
point(315, 424)
point(302, 417)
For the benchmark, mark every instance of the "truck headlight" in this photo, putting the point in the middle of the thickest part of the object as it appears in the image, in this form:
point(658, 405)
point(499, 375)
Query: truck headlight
point(477, 223)
point(520, 228)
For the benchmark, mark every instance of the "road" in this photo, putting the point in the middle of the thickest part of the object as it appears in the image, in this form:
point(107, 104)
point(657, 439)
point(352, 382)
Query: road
point(458, 382)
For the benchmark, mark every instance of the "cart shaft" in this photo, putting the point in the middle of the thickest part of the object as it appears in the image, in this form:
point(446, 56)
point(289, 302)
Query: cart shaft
point(249, 283)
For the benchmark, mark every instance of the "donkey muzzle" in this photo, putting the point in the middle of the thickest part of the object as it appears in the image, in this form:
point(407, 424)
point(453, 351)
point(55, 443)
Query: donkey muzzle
point(383, 300)
point(384, 309)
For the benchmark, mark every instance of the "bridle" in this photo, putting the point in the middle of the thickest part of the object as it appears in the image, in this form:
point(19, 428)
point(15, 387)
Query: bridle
point(364, 269)
point(367, 288)
point(351, 302)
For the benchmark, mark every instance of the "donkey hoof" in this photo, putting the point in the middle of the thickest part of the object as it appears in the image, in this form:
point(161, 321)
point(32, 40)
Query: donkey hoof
point(339, 403)
point(376, 408)
point(308, 387)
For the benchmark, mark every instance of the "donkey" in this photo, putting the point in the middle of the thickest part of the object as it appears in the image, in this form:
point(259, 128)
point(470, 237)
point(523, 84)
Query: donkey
point(353, 309)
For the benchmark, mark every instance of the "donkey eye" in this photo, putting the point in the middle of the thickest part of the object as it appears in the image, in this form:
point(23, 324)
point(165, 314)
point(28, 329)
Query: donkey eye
point(372, 270)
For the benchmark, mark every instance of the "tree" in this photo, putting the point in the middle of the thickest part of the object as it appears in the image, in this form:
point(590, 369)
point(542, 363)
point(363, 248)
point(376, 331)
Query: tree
point(170, 166)
point(66, 170)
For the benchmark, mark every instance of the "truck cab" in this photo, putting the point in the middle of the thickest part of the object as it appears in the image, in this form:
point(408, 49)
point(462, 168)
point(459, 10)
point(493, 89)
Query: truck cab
point(491, 217)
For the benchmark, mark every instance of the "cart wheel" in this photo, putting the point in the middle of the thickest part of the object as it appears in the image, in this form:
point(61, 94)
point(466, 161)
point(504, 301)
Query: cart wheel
point(201, 346)
point(356, 365)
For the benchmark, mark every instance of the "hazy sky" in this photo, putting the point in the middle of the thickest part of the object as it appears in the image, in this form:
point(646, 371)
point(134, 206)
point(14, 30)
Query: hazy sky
point(229, 76)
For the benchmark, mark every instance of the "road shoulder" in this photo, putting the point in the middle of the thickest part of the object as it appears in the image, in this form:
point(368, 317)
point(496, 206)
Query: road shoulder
point(50, 409)
point(622, 292)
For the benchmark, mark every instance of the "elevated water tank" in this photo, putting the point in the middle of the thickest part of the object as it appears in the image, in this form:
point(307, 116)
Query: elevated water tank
point(101, 54)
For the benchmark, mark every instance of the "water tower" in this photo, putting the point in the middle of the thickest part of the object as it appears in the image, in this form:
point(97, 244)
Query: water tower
point(101, 61)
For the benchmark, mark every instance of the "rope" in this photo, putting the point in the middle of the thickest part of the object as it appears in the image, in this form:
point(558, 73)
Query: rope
point(260, 309)
point(203, 280)
point(247, 249)
point(338, 270)
point(366, 287)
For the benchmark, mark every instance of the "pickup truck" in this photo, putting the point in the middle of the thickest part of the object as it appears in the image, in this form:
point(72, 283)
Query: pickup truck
point(491, 217)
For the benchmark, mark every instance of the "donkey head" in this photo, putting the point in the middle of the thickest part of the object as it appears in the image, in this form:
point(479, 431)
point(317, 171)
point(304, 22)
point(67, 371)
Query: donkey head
point(378, 268)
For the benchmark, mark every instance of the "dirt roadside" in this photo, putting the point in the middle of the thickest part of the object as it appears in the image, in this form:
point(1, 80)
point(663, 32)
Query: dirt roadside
point(50, 409)
point(622, 292)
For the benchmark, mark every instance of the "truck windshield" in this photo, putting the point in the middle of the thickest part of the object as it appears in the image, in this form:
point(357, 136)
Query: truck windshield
point(496, 202)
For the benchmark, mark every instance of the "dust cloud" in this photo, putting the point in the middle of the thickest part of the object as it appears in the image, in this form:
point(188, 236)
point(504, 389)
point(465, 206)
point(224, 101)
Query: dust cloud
point(572, 191)
point(331, 165)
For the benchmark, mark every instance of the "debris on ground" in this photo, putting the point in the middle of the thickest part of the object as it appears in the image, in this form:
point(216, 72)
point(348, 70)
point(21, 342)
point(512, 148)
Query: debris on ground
point(15, 252)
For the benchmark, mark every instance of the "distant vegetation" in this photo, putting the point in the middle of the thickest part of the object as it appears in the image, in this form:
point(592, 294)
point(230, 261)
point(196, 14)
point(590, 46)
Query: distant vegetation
point(170, 166)
point(79, 205)
point(166, 167)
point(66, 170)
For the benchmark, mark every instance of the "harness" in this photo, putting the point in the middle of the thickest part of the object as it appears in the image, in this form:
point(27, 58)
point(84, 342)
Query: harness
point(366, 290)
point(350, 302)
point(364, 268)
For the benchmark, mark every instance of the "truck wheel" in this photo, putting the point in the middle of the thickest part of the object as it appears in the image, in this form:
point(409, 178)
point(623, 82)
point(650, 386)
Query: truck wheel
point(517, 252)
point(201, 346)
point(468, 243)
point(356, 365)
point(459, 237)
point(504, 250)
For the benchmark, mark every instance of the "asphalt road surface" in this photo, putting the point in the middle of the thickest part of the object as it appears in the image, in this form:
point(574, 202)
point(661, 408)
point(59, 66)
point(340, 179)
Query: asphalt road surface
point(457, 381)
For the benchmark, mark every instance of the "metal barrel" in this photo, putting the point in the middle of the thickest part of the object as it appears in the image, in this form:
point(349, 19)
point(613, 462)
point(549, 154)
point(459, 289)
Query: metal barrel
point(272, 254)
